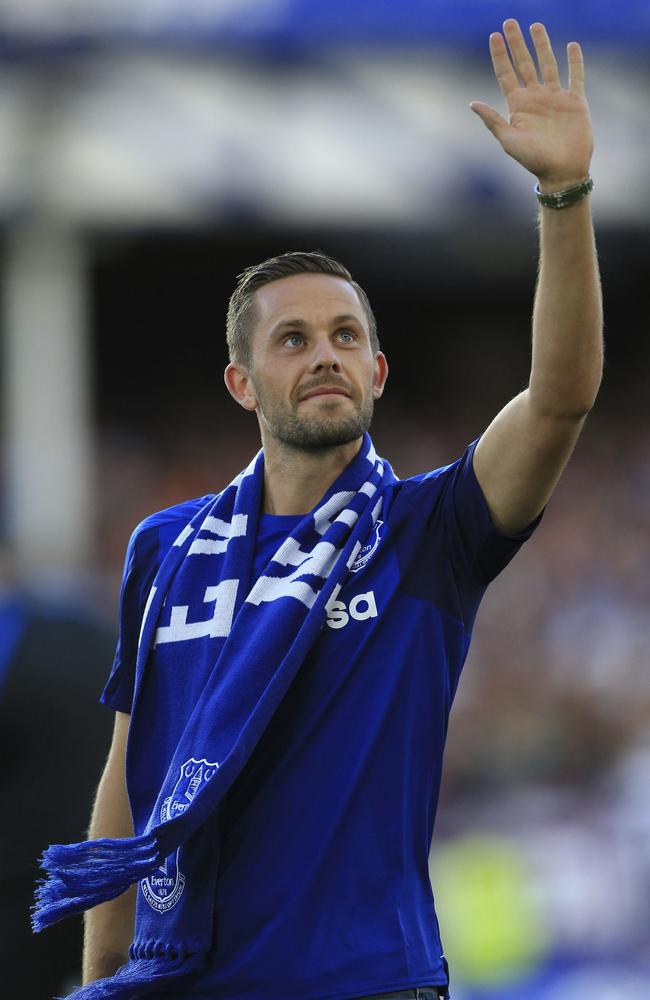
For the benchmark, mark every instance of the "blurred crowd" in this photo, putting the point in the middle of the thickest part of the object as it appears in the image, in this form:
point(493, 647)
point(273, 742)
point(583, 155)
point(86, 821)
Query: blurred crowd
point(559, 665)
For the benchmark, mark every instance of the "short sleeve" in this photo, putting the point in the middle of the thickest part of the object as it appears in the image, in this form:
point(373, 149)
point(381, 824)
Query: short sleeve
point(455, 550)
point(479, 549)
point(140, 566)
point(145, 552)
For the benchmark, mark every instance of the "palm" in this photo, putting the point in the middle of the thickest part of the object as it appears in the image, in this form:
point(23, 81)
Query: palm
point(549, 128)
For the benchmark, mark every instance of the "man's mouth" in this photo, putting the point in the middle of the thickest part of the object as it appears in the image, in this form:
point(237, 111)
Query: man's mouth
point(325, 390)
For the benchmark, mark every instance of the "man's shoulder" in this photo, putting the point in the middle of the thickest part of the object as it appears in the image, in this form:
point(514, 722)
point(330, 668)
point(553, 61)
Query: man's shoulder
point(180, 514)
point(158, 532)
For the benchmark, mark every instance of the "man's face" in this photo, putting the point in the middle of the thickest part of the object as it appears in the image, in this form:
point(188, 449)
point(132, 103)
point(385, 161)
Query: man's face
point(313, 377)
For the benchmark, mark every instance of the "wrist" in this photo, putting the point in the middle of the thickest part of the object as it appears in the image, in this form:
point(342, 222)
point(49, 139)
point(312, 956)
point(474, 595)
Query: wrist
point(549, 185)
point(564, 197)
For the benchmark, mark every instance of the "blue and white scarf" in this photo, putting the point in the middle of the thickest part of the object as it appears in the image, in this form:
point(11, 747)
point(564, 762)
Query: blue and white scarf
point(264, 633)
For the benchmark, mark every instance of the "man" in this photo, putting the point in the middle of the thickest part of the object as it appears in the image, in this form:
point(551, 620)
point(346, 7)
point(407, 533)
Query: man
point(321, 887)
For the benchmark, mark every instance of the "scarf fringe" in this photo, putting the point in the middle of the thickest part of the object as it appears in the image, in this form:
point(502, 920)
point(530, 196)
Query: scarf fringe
point(79, 876)
point(137, 978)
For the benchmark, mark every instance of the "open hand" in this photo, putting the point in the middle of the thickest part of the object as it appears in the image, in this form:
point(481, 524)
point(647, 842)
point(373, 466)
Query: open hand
point(549, 128)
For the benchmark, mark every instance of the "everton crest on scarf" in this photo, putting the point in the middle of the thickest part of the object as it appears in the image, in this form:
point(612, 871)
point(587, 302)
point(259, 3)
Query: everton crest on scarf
point(260, 636)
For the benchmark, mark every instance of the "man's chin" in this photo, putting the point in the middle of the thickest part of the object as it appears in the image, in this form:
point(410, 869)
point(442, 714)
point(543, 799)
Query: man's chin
point(321, 442)
point(321, 436)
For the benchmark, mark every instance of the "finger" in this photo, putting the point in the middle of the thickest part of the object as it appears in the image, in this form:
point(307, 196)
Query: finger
point(576, 69)
point(505, 74)
point(490, 118)
point(545, 55)
point(521, 57)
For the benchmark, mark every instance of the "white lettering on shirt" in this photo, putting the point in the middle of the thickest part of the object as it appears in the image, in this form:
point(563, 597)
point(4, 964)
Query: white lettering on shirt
point(361, 607)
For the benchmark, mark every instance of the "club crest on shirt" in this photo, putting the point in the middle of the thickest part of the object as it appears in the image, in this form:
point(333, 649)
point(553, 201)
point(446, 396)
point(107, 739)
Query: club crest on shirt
point(368, 550)
point(164, 887)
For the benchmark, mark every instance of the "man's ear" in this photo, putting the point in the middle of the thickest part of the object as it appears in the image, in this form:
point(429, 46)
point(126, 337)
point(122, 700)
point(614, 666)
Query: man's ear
point(240, 385)
point(381, 374)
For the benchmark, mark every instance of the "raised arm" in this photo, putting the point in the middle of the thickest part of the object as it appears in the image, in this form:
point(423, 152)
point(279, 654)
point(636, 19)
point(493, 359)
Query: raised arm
point(108, 928)
point(521, 455)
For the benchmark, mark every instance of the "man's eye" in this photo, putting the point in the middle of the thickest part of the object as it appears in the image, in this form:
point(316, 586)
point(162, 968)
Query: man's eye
point(294, 340)
point(346, 336)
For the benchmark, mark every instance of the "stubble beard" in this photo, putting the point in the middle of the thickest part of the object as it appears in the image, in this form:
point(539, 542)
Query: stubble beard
point(312, 433)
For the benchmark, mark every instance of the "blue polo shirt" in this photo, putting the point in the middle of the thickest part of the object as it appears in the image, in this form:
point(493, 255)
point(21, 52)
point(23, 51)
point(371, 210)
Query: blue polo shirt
point(323, 890)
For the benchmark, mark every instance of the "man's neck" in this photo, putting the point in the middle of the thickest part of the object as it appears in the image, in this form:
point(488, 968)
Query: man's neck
point(294, 481)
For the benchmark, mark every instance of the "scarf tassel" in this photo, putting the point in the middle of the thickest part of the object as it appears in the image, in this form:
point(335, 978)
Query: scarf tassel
point(79, 876)
point(138, 978)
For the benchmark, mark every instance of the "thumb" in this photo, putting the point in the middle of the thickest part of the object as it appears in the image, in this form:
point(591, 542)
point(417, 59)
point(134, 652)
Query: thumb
point(490, 118)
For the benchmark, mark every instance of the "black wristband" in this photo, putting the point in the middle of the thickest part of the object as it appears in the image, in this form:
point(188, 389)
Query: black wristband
point(562, 199)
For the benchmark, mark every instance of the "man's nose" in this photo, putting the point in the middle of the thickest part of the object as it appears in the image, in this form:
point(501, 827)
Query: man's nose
point(324, 356)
